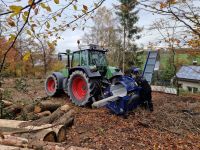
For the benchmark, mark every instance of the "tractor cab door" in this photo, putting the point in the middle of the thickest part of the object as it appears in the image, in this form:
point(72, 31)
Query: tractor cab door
point(80, 58)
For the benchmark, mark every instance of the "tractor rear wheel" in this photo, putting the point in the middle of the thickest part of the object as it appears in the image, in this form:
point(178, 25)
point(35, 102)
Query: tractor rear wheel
point(79, 88)
point(51, 86)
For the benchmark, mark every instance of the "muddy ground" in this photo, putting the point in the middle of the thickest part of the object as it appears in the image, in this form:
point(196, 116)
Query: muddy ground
point(174, 124)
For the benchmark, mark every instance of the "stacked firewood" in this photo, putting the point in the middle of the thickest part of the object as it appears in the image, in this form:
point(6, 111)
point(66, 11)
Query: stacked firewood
point(46, 121)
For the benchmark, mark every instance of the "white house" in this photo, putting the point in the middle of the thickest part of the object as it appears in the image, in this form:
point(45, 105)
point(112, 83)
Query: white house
point(189, 78)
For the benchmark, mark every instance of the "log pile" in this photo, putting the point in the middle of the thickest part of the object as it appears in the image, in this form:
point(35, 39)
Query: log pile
point(49, 125)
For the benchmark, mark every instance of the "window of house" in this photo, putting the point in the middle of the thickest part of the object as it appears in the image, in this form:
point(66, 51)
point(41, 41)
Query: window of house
point(189, 89)
point(180, 85)
point(195, 90)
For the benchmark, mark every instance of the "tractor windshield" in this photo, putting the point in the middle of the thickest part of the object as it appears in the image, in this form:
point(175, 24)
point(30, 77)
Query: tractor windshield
point(97, 58)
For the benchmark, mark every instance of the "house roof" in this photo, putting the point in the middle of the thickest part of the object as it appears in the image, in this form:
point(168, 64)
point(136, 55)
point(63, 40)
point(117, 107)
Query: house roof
point(189, 72)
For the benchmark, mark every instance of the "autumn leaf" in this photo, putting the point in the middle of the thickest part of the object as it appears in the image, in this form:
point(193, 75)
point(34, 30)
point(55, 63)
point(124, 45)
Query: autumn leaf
point(15, 9)
point(48, 8)
point(85, 7)
point(84, 11)
point(36, 11)
point(51, 45)
point(56, 1)
point(26, 56)
point(162, 5)
point(30, 2)
point(28, 32)
point(11, 22)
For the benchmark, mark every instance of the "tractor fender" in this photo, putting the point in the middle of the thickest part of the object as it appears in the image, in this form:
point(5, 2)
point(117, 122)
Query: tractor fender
point(59, 77)
point(87, 70)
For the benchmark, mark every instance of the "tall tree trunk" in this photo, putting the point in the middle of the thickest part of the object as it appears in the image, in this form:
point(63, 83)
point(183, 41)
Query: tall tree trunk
point(123, 54)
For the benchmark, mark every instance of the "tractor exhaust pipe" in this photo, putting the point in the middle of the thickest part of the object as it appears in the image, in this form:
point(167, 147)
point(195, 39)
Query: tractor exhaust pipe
point(117, 91)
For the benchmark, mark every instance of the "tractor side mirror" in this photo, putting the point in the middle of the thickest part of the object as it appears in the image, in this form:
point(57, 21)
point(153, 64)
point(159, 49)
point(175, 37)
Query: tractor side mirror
point(60, 57)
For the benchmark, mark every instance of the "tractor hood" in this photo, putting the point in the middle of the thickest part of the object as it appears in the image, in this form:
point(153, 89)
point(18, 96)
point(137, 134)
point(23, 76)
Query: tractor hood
point(113, 71)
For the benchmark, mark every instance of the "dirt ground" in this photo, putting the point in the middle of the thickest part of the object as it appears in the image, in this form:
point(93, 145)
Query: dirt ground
point(174, 124)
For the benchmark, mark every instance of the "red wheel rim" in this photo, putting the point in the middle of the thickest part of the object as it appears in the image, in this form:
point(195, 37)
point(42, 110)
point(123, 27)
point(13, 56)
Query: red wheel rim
point(79, 88)
point(51, 85)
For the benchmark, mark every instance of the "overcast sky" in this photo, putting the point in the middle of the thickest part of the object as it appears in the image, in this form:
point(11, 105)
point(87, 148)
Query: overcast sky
point(145, 20)
point(69, 37)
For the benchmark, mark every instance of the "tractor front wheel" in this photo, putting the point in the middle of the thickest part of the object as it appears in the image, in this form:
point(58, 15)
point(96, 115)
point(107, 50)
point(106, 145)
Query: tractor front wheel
point(51, 86)
point(79, 88)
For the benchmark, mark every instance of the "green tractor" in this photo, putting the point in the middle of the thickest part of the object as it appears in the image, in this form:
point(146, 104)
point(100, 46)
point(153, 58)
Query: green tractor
point(86, 75)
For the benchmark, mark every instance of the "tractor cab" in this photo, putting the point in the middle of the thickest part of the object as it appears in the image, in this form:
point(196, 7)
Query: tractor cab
point(95, 59)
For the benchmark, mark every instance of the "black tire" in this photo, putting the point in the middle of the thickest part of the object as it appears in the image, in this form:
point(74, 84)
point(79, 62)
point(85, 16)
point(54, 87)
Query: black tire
point(51, 86)
point(65, 84)
point(79, 88)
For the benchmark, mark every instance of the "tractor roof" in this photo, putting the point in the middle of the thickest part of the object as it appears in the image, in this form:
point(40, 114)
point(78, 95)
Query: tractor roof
point(92, 47)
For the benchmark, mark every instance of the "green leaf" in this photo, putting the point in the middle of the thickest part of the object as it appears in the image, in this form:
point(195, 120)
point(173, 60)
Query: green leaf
point(56, 1)
point(12, 37)
point(75, 7)
point(26, 13)
point(54, 18)
point(48, 25)
point(15, 8)
point(24, 18)
point(43, 5)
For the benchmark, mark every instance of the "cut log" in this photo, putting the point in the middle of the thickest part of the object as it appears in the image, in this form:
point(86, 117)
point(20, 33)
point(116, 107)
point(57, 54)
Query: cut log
point(41, 135)
point(13, 141)
point(60, 131)
point(49, 119)
point(6, 103)
point(44, 106)
point(64, 119)
point(46, 132)
point(43, 114)
point(6, 147)
point(46, 145)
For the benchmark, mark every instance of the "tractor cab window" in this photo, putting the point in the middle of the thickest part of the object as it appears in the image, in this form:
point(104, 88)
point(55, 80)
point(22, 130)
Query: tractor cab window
point(84, 59)
point(76, 59)
point(97, 58)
